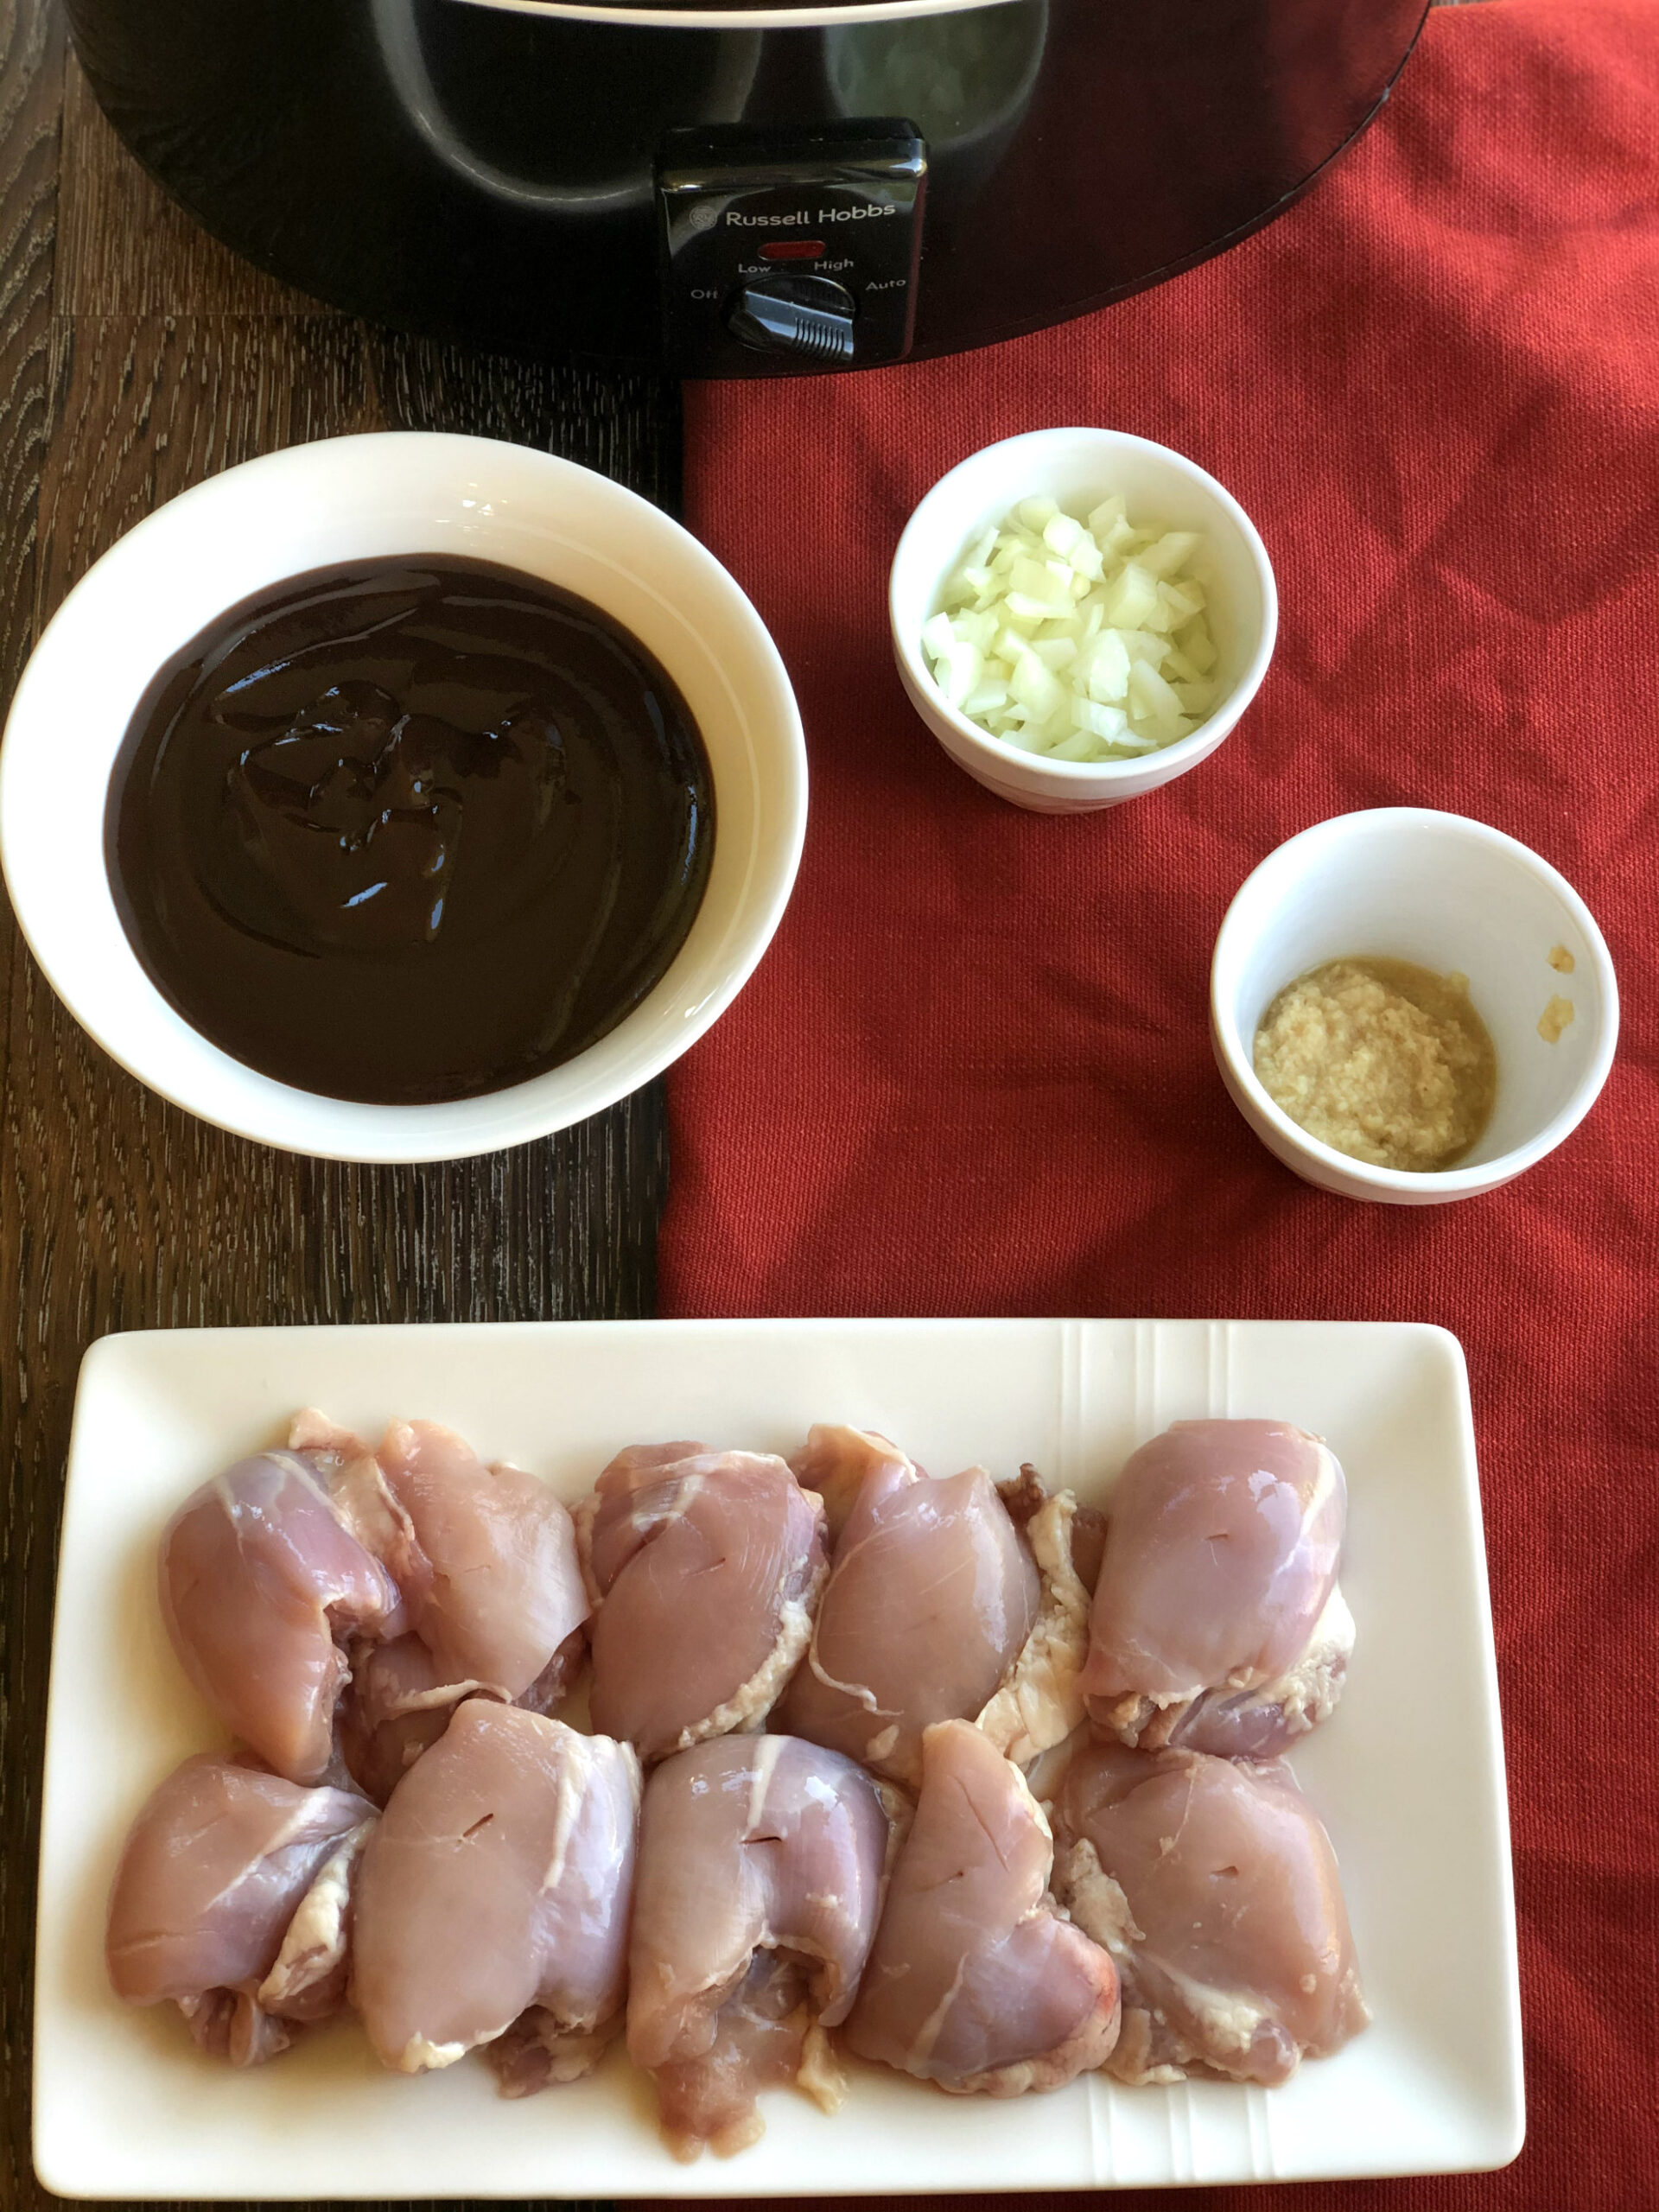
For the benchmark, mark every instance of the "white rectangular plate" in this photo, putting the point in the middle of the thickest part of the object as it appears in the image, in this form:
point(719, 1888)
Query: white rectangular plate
point(1408, 1775)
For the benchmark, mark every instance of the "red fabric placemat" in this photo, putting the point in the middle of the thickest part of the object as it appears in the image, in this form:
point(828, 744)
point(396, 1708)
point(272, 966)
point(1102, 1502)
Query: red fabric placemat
point(973, 1074)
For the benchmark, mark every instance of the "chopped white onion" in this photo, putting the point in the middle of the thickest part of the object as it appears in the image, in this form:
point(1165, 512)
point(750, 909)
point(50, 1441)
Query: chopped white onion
point(1078, 640)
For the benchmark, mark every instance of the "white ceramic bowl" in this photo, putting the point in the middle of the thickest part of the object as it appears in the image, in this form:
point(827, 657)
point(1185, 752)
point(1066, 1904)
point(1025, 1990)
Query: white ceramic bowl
point(1451, 896)
point(1080, 467)
point(349, 498)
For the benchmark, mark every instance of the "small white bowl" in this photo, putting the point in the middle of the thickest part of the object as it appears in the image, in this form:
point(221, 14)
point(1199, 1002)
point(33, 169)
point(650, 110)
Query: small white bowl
point(1451, 896)
point(350, 499)
point(1080, 467)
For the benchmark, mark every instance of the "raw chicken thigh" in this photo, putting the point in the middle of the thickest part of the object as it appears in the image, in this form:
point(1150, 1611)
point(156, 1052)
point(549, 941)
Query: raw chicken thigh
point(976, 1981)
point(707, 1570)
point(499, 1595)
point(1215, 1887)
point(1217, 1623)
point(498, 1885)
point(492, 1596)
point(931, 1599)
point(232, 1899)
point(262, 1583)
point(761, 1867)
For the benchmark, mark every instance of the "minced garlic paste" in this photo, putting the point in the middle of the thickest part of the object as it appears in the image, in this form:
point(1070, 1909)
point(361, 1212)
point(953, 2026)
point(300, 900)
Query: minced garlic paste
point(1381, 1060)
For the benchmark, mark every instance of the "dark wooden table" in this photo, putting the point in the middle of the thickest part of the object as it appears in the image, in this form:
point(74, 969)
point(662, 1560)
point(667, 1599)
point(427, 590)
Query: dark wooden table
point(138, 356)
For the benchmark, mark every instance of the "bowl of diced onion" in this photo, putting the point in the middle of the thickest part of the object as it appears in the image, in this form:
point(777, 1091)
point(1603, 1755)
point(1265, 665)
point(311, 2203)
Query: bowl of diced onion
point(1080, 615)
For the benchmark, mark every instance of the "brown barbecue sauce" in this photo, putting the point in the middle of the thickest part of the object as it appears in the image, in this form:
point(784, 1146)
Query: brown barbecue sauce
point(410, 830)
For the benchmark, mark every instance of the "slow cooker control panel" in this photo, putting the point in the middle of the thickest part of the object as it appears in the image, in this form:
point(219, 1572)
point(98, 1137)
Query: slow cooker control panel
point(790, 250)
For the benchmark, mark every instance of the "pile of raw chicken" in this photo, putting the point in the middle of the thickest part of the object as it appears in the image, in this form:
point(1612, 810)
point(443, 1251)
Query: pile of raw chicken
point(976, 1784)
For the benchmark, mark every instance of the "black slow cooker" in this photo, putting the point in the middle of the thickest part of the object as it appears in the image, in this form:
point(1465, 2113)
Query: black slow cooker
point(744, 189)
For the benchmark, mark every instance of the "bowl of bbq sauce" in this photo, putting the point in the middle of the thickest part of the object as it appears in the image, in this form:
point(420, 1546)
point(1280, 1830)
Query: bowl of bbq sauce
point(401, 797)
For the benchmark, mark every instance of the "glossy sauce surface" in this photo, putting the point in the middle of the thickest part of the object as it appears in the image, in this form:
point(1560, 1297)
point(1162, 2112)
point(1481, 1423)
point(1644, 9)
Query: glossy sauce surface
point(410, 830)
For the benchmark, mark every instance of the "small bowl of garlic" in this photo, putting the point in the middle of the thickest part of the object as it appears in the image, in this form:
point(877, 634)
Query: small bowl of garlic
point(1079, 615)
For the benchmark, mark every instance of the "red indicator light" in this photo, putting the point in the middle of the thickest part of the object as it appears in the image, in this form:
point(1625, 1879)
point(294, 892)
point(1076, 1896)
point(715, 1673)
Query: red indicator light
point(792, 250)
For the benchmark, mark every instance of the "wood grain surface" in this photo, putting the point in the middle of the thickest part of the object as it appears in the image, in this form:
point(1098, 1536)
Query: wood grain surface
point(138, 356)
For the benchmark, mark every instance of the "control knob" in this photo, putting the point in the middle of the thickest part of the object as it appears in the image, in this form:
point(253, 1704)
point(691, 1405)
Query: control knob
point(810, 317)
